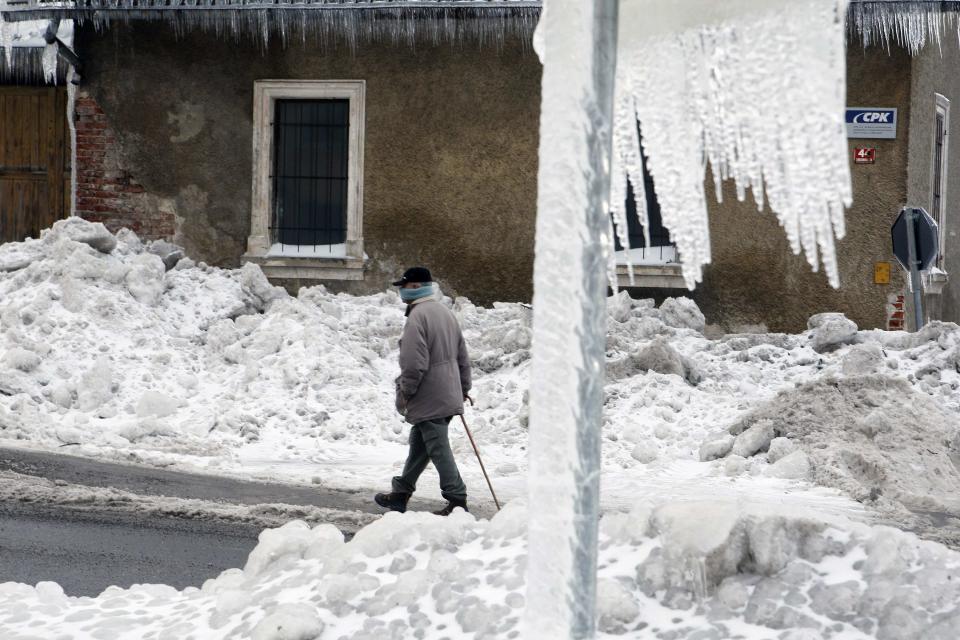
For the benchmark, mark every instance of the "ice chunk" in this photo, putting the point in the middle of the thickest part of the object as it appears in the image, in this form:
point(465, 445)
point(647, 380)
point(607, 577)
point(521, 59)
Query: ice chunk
point(293, 621)
point(619, 306)
point(96, 386)
point(256, 285)
point(716, 448)
point(830, 330)
point(682, 313)
point(734, 465)
point(154, 403)
point(277, 545)
point(659, 356)
point(733, 592)
point(168, 252)
point(780, 447)
point(630, 527)
point(145, 280)
point(753, 440)
point(615, 605)
point(793, 466)
point(645, 453)
point(80, 230)
point(17, 358)
point(862, 359)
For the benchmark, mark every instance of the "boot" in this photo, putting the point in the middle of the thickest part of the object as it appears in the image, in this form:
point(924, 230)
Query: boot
point(451, 505)
point(393, 501)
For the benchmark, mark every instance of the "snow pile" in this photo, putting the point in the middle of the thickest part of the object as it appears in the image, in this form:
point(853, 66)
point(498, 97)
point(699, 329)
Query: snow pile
point(137, 353)
point(128, 350)
point(419, 576)
point(122, 349)
point(871, 435)
point(104, 346)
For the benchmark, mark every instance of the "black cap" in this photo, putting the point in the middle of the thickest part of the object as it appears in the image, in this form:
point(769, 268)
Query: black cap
point(414, 274)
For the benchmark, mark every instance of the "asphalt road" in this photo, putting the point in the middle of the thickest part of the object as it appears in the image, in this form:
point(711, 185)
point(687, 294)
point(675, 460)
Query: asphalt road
point(87, 550)
point(149, 481)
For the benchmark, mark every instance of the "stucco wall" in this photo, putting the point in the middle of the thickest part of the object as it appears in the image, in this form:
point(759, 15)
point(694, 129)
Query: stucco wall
point(450, 167)
point(755, 279)
point(935, 71)
point(450, 153)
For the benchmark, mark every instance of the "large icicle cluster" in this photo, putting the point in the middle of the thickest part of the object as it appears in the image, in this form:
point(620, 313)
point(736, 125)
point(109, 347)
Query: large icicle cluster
point(911, 25)
point(324, 22)
point(754, 89)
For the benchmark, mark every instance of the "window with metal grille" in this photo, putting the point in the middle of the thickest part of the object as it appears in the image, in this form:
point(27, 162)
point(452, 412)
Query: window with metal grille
point(661, 249)
point(311, 154)
point(940, 155)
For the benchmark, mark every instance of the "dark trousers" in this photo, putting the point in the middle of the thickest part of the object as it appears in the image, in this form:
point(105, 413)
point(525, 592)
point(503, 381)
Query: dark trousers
point(429, 443)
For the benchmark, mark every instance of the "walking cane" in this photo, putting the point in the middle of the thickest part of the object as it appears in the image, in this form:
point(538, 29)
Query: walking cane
point(479, 459)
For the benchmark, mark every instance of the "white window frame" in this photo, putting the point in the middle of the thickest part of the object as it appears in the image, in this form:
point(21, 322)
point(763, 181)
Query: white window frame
point(265, 96)
point(942, 109)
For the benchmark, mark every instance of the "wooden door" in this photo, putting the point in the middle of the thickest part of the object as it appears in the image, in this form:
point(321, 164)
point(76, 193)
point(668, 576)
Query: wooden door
point(34, 160)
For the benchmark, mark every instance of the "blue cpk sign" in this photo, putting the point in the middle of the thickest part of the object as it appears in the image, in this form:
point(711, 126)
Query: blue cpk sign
point(871, 122)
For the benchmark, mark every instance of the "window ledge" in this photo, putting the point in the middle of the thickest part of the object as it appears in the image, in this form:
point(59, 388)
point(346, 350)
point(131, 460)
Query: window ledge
point(660, 276)
point(308, 268)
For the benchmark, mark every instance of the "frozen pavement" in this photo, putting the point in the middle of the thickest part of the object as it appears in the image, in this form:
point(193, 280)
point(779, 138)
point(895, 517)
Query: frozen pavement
point(145, 482)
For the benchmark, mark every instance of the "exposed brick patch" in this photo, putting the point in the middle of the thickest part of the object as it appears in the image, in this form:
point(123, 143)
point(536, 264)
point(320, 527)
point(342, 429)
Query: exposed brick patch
point(106, 191)
point(895, 309)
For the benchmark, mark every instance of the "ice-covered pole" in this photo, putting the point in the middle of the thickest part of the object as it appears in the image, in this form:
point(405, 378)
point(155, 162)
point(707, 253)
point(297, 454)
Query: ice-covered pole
point(577, 43)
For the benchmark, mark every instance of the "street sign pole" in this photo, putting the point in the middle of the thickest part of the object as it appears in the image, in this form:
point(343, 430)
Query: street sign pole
point(914, 262)
point(916, 244)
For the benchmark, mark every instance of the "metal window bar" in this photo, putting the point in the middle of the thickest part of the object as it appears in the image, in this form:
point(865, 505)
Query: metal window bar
point(937, 168)
point(310, 180)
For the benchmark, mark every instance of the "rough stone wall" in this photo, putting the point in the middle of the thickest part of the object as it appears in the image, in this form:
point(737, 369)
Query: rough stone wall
point(450, 152)
point(935, 71)
point(756, 280)
point(106, 192)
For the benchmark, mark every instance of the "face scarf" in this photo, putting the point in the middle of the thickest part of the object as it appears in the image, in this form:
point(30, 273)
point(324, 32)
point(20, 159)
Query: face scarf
point(410, 295)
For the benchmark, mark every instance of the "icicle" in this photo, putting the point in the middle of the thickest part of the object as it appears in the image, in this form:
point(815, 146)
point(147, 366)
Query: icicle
point(50, 62)
point(736, 89)
point(911, 25)
point(577, 42)
point(348, 23)
point(6, 37)
point(627, 165)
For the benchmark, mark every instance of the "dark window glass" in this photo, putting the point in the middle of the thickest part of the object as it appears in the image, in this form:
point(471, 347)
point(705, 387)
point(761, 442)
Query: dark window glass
point(938, 170)
point(659, 236)
point(311, 147)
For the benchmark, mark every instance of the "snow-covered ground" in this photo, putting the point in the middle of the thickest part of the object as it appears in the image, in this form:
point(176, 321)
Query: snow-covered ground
point(752, 466)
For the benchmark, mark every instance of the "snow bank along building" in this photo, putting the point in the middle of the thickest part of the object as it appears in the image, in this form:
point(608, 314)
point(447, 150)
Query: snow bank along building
point(337, 141)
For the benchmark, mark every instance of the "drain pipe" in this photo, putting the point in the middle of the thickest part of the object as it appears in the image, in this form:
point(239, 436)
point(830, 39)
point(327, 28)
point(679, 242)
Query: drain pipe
point(65, 52)
point(73, 80)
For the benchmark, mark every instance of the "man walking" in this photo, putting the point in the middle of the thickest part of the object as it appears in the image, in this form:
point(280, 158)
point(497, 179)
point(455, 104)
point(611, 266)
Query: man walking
point(434, 381)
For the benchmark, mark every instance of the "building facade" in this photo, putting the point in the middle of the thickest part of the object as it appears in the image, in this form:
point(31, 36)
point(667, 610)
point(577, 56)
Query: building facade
point(352, 149)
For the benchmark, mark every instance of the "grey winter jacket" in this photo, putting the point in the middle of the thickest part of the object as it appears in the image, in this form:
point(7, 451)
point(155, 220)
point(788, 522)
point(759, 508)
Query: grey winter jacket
point(434, 366)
